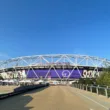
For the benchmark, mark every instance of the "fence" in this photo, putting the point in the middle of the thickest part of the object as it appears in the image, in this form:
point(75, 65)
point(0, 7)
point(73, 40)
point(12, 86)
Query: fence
point(99, 90)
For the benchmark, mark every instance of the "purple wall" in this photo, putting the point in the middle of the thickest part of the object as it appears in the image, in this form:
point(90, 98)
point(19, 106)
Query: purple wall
point(53, 74)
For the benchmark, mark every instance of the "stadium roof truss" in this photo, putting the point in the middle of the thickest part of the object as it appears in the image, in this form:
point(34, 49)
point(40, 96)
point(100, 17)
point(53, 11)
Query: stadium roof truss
point(44, 60)
point(53, 60)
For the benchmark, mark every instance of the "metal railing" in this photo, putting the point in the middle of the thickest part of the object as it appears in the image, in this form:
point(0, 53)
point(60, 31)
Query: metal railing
point(99, 90)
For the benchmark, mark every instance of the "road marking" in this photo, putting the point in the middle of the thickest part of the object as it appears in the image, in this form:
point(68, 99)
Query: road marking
point(93, 100)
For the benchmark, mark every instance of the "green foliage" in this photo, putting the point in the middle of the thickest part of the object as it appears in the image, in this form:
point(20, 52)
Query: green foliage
point(87, 81)
point(1, 78)
point(104, 79)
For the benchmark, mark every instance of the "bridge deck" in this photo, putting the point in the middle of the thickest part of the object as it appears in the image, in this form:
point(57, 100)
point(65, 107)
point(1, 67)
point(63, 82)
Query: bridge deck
point(53, 98)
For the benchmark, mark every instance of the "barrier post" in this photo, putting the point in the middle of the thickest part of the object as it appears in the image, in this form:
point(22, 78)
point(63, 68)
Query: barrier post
point(91, 88)
point(97, 90)
point(73, 85)
point(106, 93)
point(86, 87)
point(83, 86)
point(76, 85)
point(80, 86)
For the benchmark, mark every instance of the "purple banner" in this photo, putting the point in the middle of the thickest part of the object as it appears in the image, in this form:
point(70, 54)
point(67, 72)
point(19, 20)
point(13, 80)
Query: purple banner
point(58, 73)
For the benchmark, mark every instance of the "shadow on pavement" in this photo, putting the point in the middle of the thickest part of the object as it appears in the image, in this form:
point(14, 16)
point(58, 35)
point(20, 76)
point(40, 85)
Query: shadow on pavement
point(19, 102)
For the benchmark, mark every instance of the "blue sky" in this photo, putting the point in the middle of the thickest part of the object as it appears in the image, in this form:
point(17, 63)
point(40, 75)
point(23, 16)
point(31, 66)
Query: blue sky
point(29, 27)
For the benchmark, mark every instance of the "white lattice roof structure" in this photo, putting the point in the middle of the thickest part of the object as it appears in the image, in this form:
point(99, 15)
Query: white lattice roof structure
point(55, 59)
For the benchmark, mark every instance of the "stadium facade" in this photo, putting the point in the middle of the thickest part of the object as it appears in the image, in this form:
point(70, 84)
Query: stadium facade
point(57, 66)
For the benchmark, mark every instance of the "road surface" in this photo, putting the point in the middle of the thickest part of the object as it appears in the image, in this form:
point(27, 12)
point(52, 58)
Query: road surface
point(7, 89)
point(52, 98)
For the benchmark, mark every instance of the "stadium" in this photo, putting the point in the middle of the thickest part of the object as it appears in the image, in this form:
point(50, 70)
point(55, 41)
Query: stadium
point(55, 66)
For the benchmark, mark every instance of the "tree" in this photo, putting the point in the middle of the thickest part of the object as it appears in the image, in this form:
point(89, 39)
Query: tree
point(87, 81)
point(104, 78)
point(1, 78)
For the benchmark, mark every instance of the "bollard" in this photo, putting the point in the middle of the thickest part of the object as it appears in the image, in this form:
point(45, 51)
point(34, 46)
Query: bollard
point(106, 93)
point(97, 90)
point(83, 86)
point(91, 88)
point(86, 87)
point(77, 85)
point(80, 86)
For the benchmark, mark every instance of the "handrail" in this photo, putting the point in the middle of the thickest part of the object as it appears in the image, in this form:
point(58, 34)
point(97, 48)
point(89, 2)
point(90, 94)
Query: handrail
point(94, 89)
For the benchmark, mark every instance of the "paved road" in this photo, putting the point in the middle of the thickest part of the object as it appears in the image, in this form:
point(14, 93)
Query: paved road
point(7, 89)
point(51, 98)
